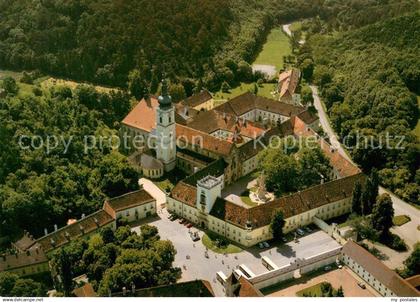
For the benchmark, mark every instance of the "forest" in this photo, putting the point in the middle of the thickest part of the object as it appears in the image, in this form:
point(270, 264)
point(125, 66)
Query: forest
point(102, 41)
point(40, 187)
point(369, 78)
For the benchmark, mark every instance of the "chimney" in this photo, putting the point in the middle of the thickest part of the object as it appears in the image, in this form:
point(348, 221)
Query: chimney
point(45, 232)
point(83, 215)
point(133, 288)
point(55, 228)
point(124, 291)
point(96, 221)
point(52, 241)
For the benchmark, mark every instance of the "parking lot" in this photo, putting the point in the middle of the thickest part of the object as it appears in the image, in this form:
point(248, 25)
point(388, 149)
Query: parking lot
point(200, 267)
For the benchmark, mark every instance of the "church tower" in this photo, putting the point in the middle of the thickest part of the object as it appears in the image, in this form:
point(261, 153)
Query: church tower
point(165, 130)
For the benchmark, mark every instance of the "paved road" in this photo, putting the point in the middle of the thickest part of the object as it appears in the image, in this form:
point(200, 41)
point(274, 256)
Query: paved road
point(408, 231)
point(325, 123)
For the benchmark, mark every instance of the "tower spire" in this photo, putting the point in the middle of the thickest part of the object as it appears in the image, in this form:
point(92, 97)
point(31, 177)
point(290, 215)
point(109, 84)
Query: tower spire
point(165, 99)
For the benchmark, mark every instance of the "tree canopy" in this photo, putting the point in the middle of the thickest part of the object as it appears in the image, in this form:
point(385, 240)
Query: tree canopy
point(113, 260)
point(67, 181)
point(369, 79)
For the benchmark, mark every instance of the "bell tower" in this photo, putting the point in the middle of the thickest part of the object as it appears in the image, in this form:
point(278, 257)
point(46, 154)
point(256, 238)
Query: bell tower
point(165, 130)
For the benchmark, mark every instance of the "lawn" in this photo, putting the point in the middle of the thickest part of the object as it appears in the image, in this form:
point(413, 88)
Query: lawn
point(313, 291)
point(247, 200)
point(168, 182)
point(265, 91)
point(273, 51)
point(209, 240)
point(400, 220)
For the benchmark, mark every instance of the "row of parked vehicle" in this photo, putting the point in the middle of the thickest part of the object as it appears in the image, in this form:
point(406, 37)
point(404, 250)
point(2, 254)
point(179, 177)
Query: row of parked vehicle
point(303, 231)
point(263, 245)
point(189, 225)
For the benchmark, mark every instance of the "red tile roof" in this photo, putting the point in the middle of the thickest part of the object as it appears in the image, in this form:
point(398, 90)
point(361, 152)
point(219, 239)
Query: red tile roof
point(194, 137)
point(248, 101)
point(288, 81)
point(185, 193)
point(198, 99)
point(379, 270)
point(127, 201)
point(143, 116)
point(246, 289)
point(28, 258)
point(70, 232)
point(211, 121)
point(85, 291)
point(290, 205)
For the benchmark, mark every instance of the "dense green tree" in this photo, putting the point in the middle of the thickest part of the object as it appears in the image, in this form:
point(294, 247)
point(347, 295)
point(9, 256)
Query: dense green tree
point(314, 167)
point(367, 81)
point(412, 263)
point(307, 68)
point(9, 85)
point(136, 84)
point(382, 215)
point(7, 282)
point(107, 235)
point(277, 224)
point(281, 170)
point(306, 94)
point(340, 292)
point(177, 92)
point(28, 288)
point(149, 233)
point(11, 285)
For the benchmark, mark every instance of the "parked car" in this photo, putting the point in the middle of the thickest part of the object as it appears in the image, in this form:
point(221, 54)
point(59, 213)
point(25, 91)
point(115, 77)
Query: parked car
point(265, 243)
point(308, 229)
point(173, 218)
point(340, 266)
point(182, 221)
point(327, 268)
point(195, 238)
point(260, 245)
point(300, 232)
point(284, 239)
point(361, 285)
point(189, 225)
